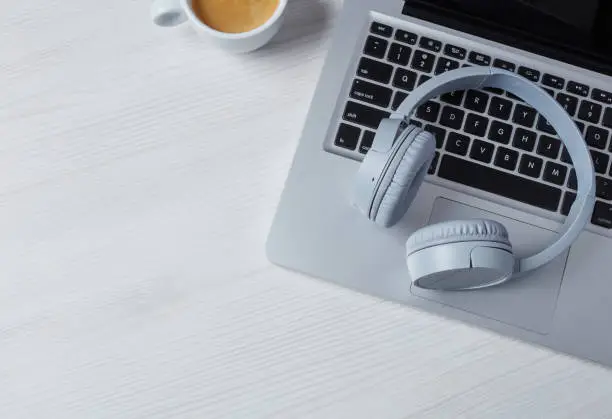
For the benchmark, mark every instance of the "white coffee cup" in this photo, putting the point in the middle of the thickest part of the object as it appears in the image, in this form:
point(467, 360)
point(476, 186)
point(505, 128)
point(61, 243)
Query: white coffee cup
point(176, 12)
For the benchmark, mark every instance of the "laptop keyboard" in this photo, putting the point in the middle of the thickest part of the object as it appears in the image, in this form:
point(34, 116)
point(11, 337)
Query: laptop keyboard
point(487, 139)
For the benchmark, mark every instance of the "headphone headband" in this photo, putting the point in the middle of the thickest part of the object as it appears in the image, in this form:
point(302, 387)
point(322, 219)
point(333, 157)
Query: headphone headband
point(477, 77)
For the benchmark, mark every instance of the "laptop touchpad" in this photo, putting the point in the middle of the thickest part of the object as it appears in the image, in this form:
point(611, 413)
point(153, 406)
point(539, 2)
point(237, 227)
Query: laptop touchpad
point(528, 302)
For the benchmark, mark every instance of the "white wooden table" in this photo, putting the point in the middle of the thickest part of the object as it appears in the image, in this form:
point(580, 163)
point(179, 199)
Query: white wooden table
point(139, 173)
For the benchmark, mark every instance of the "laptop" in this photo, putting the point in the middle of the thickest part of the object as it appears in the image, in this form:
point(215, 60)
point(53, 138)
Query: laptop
point(496, 158)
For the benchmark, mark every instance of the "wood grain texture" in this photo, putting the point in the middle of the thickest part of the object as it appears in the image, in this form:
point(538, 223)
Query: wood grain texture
point(140, 168)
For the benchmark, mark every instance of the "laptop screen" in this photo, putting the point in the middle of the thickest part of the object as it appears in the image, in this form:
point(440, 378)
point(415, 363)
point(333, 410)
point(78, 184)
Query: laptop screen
point(575, 31)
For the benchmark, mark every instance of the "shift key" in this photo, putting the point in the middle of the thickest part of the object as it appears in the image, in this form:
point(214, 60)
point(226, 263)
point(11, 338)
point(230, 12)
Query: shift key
point(364, 115)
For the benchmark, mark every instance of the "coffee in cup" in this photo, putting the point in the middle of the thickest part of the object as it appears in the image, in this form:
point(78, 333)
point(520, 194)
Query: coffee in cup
point(234, 16)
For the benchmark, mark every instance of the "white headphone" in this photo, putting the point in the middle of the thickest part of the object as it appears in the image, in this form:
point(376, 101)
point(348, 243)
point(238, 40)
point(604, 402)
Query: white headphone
point(462, 254)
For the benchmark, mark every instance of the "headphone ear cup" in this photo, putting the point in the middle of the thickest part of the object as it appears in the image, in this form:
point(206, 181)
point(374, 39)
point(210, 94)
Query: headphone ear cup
point(403, 177)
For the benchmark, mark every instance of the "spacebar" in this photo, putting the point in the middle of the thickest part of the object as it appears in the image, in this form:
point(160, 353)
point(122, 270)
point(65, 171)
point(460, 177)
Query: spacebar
point(500, 183)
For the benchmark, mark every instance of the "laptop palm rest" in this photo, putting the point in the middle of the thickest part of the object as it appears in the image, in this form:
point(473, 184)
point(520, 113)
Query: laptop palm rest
point(529, 302)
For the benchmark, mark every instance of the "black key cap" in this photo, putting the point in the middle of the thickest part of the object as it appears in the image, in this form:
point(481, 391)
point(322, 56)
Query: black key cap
point(434, 164)
point(565, 157)
point(580, 126)
point(553, 81)
point(600, 161)
point(476, 124)
point(438, 133)
point(500, 108)
point(478, 58)
point(500, 132)
point(602, 214)
point(544, 126)
point(602, 96)
point(572, 180)
point(476, 100)
point(524, 139)
point(423, 61)
point(364, 115)
point(506, 158)
point(398, 99)
point(445, 64)
point(347, 136)
point(374, 70)
point(371, 93)
point(452, 117)
point(529, 73)
point(607, 119)
point(498, 182)
point(493, 90)
point(570, 103)
point(549, 91)
point(406, 37)
point(596, 137)
point(375, 46)
point(555, 173)
point(423, 79)
point(482, 151)
point(454, 98)
point(524, 115)
point(430, 44)
point(513, 96)
point(455, 52)
point(530, 165)
point(381, 29)
point(603, 188)
point(366, 141)
point(404, 79)
point(428, 111)
point(589, 111)
point(568, 200)
point(577, 88)
point(504, 64)
point(417, 123)
point(549, 147)
point(399, 54)
point(457, 143)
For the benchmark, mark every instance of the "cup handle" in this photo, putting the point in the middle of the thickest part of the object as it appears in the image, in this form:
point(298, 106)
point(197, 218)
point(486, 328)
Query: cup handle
point(167, 12)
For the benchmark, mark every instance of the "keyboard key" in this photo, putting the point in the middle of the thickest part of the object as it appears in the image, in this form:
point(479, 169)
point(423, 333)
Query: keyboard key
point(499, 182)
point(596, 137)
point(482, 151)
point(544, 126)
point(506, 158)
point(549, 91)
point(589, 111)
point(417, 123)
point(375, 46)
point(406, 37)
point(602, 214)
point(603, 188)
point(399, 54)
point(568, 201)
point(364, 115)
point(570, 103)
point(374, 70)
point(524, 139)
point(476, 100)
point(600, 161)
point(513, 96)
point(454, 98)
point(549, 147)
point(452, 117)
point(366, 141)
point(580, 126)
point(476, 124)
point(602, 96)
point(572, 180)
point(455, 52)
point(553, 81)
point(423, 61)
point(458, 143)
point(565, 157)
point(530, 165)
point(438, 133)
point(434, 164)
point(607, 119)
point(500, 132)
point(479, 59)
point(445, 64)
point(506, 65)
point(529, 73)
point(398, 99)
point(555, 173)
point(494, 90)
point(500, 108)
point(404, 79)
point(381, 29)
point(423, 79)
point(347, 136)
point(428, 111)
point(430, 44)
point(371, 93)
point(524, 115)
point(577, 88)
